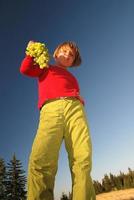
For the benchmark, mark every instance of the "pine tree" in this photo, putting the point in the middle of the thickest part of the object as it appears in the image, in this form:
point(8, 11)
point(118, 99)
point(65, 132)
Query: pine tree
point(70, 196)
point(118, 183)
point(98, 187)
point(121, 177)
point(131, 175)
point(64, 196)
point(15, 180)
point(127, 182)
point(112, 180)
point(2, 180)
point(106, 183)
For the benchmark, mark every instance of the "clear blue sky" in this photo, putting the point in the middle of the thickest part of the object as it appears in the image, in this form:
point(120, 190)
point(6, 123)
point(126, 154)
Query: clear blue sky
point(104, 32)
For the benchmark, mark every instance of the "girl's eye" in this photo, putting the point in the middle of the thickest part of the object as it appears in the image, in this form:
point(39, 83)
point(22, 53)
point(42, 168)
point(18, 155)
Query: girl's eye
point(64, 50)
point(70, 54)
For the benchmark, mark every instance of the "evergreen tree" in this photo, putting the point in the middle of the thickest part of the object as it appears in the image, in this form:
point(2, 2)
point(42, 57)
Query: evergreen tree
point(15, 180)
point(64, 196)
point(98, 187)
point(121, 177)
point(70, 196)
point(112, 180)
point(118, 183)
point(2, 180)
point(127, 182)
point(106, 183)
point(131, 175)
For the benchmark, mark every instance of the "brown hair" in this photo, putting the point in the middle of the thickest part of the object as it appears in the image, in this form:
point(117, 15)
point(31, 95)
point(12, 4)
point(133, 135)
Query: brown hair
point(77, 60)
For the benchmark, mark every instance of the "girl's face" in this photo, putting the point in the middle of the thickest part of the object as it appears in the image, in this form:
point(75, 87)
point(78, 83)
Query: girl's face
point(65, 56)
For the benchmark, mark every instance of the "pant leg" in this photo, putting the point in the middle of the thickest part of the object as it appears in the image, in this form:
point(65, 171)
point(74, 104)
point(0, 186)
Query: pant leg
point(79, 147)
point(43, 159)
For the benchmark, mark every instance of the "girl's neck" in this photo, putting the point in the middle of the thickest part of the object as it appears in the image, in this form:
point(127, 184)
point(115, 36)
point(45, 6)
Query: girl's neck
point(58, 65)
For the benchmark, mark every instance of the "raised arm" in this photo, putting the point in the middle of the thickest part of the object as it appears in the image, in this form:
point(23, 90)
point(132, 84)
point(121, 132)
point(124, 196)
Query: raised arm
point(29, 68)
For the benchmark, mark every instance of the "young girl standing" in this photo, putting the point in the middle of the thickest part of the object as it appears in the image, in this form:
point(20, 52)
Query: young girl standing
point(62, 116)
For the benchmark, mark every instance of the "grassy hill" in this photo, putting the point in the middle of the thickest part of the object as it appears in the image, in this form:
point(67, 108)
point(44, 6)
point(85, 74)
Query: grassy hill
point(127, 194)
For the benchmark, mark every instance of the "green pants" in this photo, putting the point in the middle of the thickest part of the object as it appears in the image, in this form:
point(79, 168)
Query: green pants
point(61, 119)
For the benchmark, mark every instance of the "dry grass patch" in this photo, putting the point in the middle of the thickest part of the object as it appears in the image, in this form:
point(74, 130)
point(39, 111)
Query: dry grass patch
point(127, 194)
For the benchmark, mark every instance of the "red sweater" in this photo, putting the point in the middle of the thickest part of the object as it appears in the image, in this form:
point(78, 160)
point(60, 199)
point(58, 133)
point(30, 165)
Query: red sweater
point(53, 81)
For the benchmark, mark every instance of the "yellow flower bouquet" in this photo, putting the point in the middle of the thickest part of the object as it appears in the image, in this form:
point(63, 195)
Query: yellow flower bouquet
point(40, 53)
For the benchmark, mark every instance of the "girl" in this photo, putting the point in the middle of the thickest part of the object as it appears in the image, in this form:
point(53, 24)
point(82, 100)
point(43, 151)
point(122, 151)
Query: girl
point(62, 116)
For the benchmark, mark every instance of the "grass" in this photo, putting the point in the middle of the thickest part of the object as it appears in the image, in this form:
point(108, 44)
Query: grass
point(127, 194)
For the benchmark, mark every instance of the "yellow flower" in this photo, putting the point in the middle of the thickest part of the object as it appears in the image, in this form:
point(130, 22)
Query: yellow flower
point(40, 53)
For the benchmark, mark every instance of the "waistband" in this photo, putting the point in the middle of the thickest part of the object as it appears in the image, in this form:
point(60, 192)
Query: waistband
point(69, 97)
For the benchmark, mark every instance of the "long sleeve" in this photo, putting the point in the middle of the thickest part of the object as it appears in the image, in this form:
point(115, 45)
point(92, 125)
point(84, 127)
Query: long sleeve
point(29, 68)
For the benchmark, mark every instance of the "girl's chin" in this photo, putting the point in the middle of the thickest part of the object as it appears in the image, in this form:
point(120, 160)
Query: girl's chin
point(63, 64)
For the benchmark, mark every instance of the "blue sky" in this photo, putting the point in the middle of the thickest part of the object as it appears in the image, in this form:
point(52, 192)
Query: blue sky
point(103, 30)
